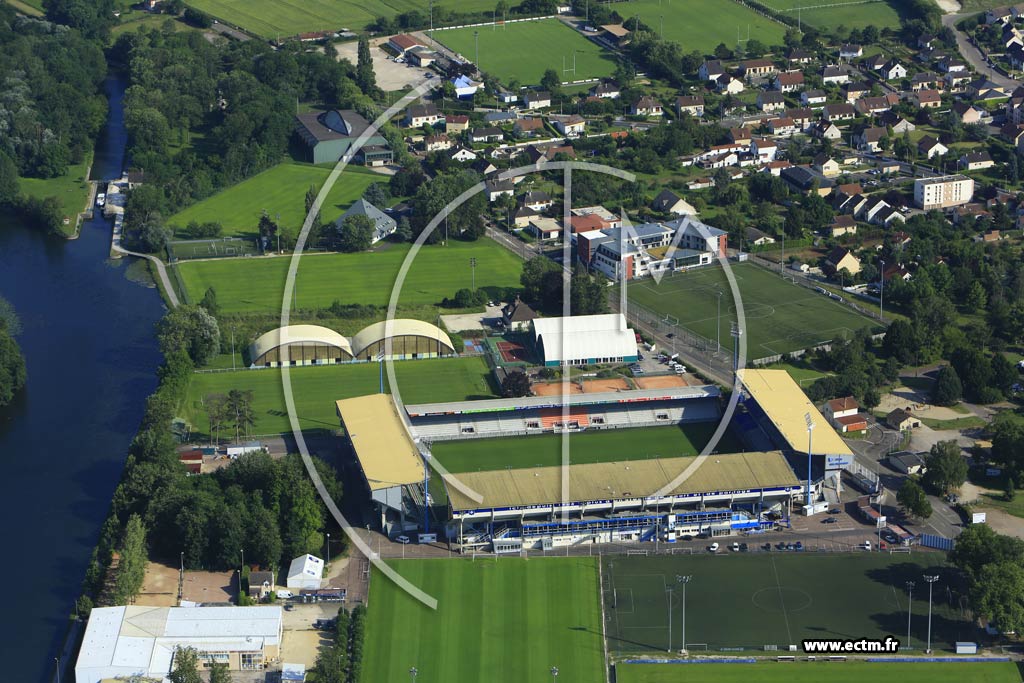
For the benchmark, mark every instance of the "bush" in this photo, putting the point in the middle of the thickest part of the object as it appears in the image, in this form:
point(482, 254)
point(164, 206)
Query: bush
point(197, 18)
point(466, 298)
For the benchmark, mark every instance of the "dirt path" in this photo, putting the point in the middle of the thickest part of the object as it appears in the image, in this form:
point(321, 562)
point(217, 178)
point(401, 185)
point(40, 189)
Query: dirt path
point(948, 6)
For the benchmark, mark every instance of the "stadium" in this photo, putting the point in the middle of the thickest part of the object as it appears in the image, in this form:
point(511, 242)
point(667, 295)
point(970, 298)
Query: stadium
point(612, 497)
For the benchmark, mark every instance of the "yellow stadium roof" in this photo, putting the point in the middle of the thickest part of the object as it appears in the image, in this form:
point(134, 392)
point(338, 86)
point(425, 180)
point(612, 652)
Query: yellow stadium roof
point(622, 480)
point(382, 444)
point(785, 404)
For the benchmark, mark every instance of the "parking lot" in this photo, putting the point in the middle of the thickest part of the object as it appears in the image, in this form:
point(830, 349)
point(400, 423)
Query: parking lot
point(390, 75)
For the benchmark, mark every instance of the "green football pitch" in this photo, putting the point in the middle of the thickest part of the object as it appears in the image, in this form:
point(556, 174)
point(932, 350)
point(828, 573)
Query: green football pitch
point(257, 285)
point(703, 24)
point(640, 443)
point(752, 600)
point(816, 672)
point(522, 51)
point(501, 621)
point(780, 316)
point(281, 192)
point(832, 13)
point(280, 18)
point(315, 390)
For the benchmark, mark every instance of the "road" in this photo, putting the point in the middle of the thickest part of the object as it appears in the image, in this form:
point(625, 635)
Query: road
point(229, 31)
point(973, 55)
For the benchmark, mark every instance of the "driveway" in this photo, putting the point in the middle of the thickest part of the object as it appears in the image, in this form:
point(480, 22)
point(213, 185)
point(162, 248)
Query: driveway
point(459, 322)
point(973, 55)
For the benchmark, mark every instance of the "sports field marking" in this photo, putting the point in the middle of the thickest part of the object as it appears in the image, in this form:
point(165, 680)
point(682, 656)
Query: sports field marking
point(782, 600)
point(620, 594)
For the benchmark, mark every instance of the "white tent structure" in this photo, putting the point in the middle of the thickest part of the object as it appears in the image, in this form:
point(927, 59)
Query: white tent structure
point(585, 339)
point(305, 573)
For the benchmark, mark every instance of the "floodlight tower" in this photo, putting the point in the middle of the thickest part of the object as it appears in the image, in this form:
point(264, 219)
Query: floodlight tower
point(810, 431)
point(931, 579)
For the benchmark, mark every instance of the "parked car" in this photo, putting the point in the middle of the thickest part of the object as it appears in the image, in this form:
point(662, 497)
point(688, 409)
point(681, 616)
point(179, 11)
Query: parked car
point(829, 520)
point(735, 547)
point(686, 537)
point(866, 545)
point(713, 548)
point(889, 536)
point(403, 539)
point(798, 546)
point(767, 547)
point(744, 547)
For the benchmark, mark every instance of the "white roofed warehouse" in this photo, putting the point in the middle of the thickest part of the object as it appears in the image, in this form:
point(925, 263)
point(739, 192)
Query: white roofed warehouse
point(122, 642)
point(584, 340)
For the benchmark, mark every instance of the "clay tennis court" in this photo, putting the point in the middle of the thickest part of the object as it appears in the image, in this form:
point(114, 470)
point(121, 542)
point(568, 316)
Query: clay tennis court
point(590, 386)
point(511, 352)
point(660, 382)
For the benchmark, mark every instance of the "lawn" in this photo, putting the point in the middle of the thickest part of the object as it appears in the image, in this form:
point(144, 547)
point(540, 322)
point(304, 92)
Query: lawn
point(750, 600)
point(279, 18)
point(131, 20)
point(501, 621)
point(800, 370)
point(256, 285)
point(474, 455)
point(280, 191)
point(33, 8)
point(703, 24)
point(317, 388)
point(781, 316)
point(880, 13)
point(523, 51)
point(847, 672)
point(71, 189)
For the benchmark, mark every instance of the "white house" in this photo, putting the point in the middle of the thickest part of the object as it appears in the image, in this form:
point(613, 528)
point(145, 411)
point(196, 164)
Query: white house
point(764, 150)
point(305, 573)
point(893, 70)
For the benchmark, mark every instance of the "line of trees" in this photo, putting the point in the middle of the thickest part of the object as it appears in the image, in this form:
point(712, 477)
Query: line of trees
point(992, 564)
point(342, 660)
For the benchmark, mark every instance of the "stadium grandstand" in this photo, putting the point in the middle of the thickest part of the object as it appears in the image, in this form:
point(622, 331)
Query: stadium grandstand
point(392, 466)
point(778, 410)
point(544, 414)
point(316, 345)
point(619, 501)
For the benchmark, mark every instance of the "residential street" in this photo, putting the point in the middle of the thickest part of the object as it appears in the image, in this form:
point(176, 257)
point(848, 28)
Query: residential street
point(973, 56)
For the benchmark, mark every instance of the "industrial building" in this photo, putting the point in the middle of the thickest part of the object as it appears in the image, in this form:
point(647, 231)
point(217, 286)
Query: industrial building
point(584, 340)
point(136, 641)
point(305, 573)
point(330, 135)
point(316, 345)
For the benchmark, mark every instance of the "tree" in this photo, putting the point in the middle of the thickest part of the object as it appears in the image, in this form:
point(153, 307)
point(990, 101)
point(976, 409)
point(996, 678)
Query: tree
point(12, 365)
point(1010, 489)
point(947, 469)
point(356, 233)
point(550, 80)
point(947, 390)
point(404, 231)
point(900, 342)
point(516, 384)
point(239, 408)
point(998, 595)
point(219, 673)
point(9, 189)
point(365, 78)
point(209, 302)
point(376, 194)
point(186, 664)
point(587, 296)
point(871, 399)
point(217, 413)
point(131, 570)
point(913, 499)
point(191, 329)
point(267, 229)
point(979, 546)
point(310, 200)
point(532, 278)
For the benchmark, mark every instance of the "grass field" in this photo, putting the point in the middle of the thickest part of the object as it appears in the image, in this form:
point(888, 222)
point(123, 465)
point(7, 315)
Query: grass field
point(880, 13)
point(703, 24)
point(505, 621)
point(748, 601)
point(545, 450)
point(280, 191)
point(33, 8)
point(781, 316)
point(847, 672)
point(317, 388)
point(257, 285)
point(71, 189)
point(273, 18)
point(522, 51)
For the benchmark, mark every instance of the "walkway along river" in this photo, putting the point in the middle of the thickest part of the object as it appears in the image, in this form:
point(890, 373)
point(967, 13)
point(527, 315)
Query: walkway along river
point(92, 356)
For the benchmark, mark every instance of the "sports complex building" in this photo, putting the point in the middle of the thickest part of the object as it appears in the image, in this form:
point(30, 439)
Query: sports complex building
point(316, 345)
point(615, 500)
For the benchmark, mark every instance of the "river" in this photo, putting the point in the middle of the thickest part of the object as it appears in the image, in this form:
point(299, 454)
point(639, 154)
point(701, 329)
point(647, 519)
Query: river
point(92, 357)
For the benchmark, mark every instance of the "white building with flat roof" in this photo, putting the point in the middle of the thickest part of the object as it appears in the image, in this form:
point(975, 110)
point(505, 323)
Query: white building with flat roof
point(585, 339)
point(121, 642)
point(943, 192)
point(305, 572)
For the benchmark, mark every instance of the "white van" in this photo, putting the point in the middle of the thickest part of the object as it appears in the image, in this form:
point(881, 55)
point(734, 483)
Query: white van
point(866, 545)
point(285, 594)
